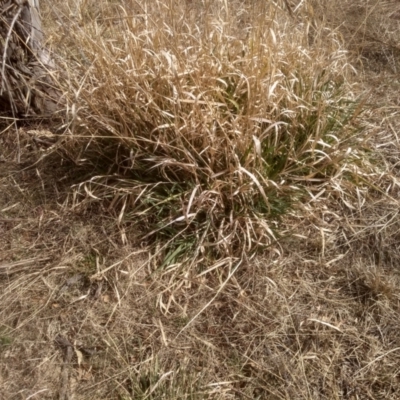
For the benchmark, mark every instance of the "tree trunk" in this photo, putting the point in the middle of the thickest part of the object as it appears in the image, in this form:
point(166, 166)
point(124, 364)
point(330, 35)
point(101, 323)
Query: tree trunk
point(28, 85)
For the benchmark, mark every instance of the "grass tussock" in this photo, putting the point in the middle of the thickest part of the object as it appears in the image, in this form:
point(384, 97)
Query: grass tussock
point(207, 121)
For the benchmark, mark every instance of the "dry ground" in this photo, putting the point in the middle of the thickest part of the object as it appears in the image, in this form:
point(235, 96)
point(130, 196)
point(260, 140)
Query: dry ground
point(86, 313)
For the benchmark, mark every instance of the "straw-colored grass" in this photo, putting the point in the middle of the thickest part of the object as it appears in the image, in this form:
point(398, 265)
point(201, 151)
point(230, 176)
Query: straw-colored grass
point(207, 122)
point(217, 215)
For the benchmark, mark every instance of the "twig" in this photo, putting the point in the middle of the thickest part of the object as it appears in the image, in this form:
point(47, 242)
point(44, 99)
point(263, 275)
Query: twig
point(3, 77)
point(3, 67)
point(68, 350)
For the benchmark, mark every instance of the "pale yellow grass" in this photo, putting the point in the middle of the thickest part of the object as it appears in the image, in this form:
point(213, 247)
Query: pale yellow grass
point(298, 302)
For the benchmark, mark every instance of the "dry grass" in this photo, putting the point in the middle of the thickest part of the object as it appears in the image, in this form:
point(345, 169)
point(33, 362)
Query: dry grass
point(218, 218)
point(207, 123)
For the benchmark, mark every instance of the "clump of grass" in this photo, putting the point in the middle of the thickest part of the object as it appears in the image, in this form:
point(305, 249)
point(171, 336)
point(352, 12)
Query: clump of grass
point(207, 121)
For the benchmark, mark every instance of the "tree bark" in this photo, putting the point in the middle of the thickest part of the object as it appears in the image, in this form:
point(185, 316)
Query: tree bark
point(28, 83)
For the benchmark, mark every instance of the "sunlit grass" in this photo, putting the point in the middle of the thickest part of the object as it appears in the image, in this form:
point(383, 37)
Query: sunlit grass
point(208, 122)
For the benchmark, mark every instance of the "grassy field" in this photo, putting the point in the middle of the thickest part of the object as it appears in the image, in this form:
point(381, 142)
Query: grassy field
point(213, 214)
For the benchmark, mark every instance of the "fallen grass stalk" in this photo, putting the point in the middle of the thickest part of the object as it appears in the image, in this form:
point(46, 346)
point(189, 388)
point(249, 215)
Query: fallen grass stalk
point(221, 287)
